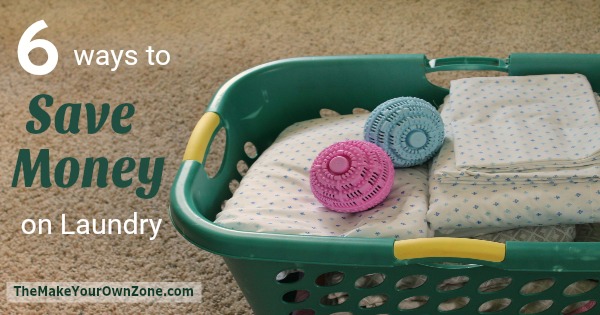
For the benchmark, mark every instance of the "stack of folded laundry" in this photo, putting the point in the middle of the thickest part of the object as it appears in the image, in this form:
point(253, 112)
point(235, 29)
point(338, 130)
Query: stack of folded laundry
point(519, 151)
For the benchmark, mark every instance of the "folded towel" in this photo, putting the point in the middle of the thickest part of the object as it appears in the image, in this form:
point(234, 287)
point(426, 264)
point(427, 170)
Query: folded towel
point(529, 123)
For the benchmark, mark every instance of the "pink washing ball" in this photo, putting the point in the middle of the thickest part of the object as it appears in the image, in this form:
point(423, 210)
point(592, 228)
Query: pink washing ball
point(352, 176)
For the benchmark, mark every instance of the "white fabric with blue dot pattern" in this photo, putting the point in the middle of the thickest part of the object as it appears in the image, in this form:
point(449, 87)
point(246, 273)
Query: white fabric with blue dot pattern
point(529, 123)
point(512, 190)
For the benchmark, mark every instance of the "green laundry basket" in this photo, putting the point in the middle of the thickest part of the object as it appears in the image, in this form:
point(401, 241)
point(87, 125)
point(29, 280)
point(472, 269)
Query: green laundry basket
point(279, 274)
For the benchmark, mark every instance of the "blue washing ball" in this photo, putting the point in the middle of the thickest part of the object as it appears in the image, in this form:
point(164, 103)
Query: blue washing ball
point(409, 129)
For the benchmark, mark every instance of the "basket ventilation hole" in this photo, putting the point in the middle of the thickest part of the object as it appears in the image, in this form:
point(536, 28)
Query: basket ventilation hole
point(495, 285)
point(289, 276)
point(358, 110)
point(250, 150)
point(369, 281)
point(341, 313)
point(242, 167)
point(454, 304)
point(303, 312)
point(373, 301)
point(411, 282)
point(326, 112)
point(335, 298)
point(494, 306)
point(579, 307)
point(329, 278)
point(453, 283)
point(233, 185)
point(536, 307)
point(216, 152)
point(413, 302)
point(580, 287)
point(296, 296)
point(537, 286)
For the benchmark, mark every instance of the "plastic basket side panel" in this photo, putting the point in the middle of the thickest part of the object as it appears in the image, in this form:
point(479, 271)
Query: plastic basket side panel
point(535, 64)
point(285, 288)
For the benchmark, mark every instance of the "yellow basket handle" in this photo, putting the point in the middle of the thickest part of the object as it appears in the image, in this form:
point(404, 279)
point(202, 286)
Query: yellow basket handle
point(201, 136)
point(447, 247)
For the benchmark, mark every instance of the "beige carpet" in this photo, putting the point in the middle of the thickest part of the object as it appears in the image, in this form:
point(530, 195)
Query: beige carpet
point(209, 42)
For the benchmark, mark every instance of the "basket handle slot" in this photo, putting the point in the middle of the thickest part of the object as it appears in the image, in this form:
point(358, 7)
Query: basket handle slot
point(201, 137)
point(447, 247)
point(466, 63)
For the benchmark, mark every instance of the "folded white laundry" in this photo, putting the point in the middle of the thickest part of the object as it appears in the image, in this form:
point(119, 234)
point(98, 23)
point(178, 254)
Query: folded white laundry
point(526, 130)
point(522, 124)
point(464, 199)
